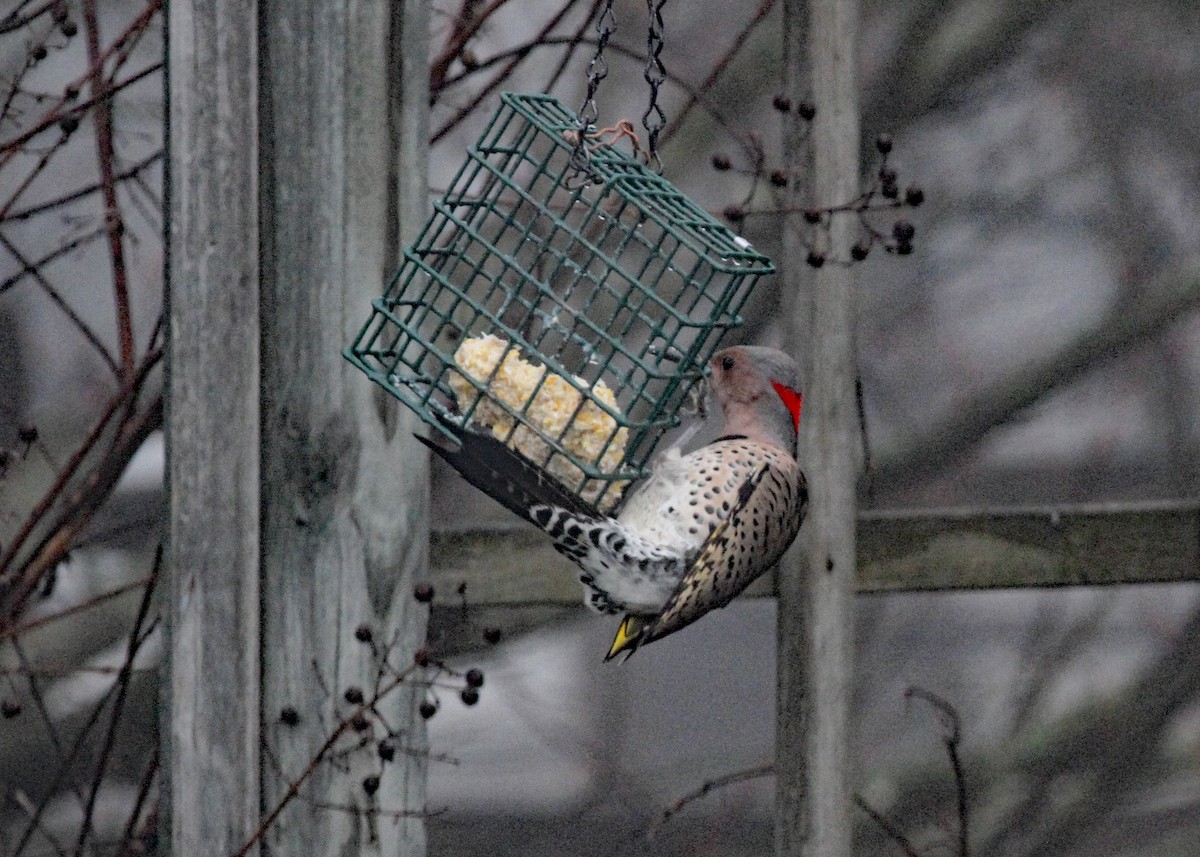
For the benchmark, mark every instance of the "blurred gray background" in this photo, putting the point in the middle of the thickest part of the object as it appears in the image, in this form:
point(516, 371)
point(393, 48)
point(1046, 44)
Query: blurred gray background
point(1056, 144)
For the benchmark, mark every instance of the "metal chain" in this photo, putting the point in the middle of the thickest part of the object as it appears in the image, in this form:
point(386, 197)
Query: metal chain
point(654, 119)
point(606, 25)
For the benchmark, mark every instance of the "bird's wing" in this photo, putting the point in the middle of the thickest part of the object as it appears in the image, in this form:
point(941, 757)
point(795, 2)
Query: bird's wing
point(760, 526)
point(502, 473)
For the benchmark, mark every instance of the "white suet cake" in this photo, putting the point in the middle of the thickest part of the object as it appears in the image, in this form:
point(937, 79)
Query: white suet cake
point(586, 432)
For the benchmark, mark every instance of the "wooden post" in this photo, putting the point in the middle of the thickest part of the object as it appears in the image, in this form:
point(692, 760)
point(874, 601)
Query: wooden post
point(211, 734)
point(345, 493)
point(816, 586)
point(298, 502)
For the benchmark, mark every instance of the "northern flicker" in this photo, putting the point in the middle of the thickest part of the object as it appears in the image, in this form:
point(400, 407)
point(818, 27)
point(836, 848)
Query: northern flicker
point(701, 528)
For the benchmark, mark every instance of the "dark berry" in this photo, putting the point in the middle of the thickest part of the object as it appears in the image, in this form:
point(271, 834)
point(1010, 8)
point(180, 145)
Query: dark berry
point(779, 178)
point(903, 231)
point(781, 103)
point(469, 695)
point(815, 259)
point(386, 750)
point(492, 635)
point(359, 723)
point(423, 592)
point(474, 677)
point(904, 248)
point(68, 29)
point(889, 191)
point(27, 434)
point(289, 716)
point(721, 163)
point(371, 784)
point(39, 53)
point(859, 251)
point(9, 709)
point(883, 143)
point(69, 123)
point(422, 657)
point(363, 633)
point(427, 709)
point(914, 196)
point(59, 12)
point(354, 695)
point(734, 213)
point(807, 111)
point(71, 93)
point(812, 215)
point(887, 175)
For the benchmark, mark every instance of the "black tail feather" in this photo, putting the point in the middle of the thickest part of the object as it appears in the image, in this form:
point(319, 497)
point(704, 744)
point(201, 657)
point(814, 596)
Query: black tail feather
point(503, 474)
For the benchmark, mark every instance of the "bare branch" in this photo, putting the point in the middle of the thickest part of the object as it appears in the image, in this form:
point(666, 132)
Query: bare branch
point(1125, 327)
point(894, 833)
point(767, 770)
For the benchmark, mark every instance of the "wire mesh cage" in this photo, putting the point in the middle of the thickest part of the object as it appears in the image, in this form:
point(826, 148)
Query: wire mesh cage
point(567, 320)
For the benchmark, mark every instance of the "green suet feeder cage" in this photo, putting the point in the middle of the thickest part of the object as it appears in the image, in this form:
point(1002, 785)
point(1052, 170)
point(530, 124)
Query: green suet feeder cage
point(621, 287)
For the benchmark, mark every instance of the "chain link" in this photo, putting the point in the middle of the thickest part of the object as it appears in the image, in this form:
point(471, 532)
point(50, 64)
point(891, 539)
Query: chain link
point(654, 119)
point(606, 25)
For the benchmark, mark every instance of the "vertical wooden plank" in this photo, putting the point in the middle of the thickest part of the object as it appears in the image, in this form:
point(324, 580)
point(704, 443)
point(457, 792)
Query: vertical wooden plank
point(816, 588)
point(345, 494)
point(211, 800)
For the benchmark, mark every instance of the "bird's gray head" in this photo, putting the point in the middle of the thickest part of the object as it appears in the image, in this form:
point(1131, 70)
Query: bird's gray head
point(758, 390)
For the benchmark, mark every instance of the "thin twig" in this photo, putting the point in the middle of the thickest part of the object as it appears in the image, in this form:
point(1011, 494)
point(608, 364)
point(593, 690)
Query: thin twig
point(14, 21)
point(133, 833)
point(576, 41)
point(72, 610)
point(893, 832)
point(80, 507)
point(503, 74)
point(61, 250)
point(88, 190)
point(136, 638)
point(668, 812)
point(764, 8)
point(320, 756)
point(1123, 328)
point(465, 28)
point(112, 212)
point(951, 739)
point(35, 271)
point(10, 148)
point(120, 399)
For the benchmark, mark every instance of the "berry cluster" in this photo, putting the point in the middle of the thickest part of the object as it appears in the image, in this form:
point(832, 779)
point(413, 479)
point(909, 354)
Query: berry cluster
point(884, 194)
point(364, 718)
point(54, 34)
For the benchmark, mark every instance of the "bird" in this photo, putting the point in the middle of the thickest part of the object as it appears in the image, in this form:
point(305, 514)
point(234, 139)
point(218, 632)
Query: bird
point(699, 529)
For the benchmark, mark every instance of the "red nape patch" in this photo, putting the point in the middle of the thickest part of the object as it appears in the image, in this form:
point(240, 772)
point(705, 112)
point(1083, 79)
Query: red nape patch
point(792, 399)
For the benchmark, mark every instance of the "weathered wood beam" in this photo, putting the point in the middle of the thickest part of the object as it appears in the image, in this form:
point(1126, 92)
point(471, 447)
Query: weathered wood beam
point(920, 550)
point(815, 626)
point(345, 488)
point(211, 725)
